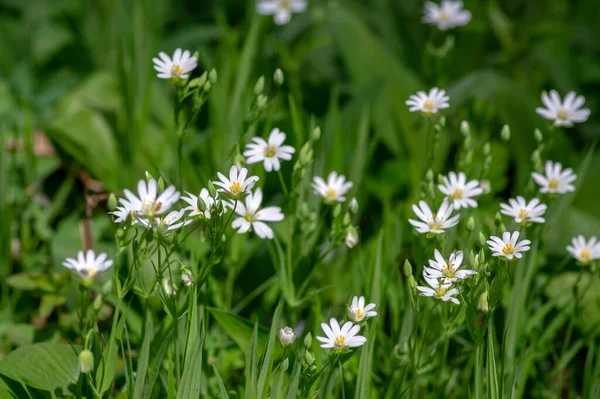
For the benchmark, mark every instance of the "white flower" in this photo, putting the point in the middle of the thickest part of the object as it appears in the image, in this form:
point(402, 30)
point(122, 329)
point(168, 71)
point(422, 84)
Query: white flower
point(149, 203)
point(168, 288)
point(353, 205)
point(449, 14)
point(357, 311)
point(168, 223)
point(448, 271)
point(443, 291)
point(434, 222)
point(341, 338)
point(351, 238)
point(286, 336)
point(252, 217)
point(563, 113)
point(269, 152)
point(88, 265)
point(124, 213)
point(237, 185)
point(523, 212)
point(430, 103)
point(177, 68)
point(187, 277)
point(459, 191)
point(508, 247)
point(556, 180)
point(485, 186)
point(482, 302)
point(281, 9)
point(335, 188)
point(192, 200)
point(584, 251)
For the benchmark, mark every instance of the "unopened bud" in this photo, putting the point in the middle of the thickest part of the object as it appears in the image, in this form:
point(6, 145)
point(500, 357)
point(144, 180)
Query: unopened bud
point(201, 80)
point(498, 219)
point(286, 336)
point(485, 186)
point(347, 219)
point(261, 101)
point(429, 175)
point(482, 303)
point(149, 176)
point(212, 76)
point(539, 137)
point(351, 237)
point(187, 277)
point(353, 205)
point(112, 202)
point(161, 229)
point(316, 133)
point(337, 210)
point(278, 77)
point(536, 158)
point(442, 121)
point(259, 86)
point(465, 129)
point(502, 228)
point(505, 133)
point(472, 258)
point(97, 304)
point(487, 148)
point(169, 290)
point(212, 190)
point(86, 361)
point(481, 239)
point(309, 358)
point(412, 283)
point(207, 86)
point(407, 268)
point(285, 364)
point(308, 341)
point(161, 185)
point(201, 204)
point(471, 224)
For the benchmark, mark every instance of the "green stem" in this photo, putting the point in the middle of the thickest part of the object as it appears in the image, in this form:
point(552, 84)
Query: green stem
point(283, 186)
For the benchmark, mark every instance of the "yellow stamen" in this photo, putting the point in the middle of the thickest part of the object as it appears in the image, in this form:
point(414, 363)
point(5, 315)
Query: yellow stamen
point(235, 188)
point(340, 341)
point(330, 194)
point(458, 193)
point(359, 314)
point(553, 183)
point(441, 291)
point(524, 213)
point(88, 273)
point(508, 249)
point(176, 71)
point(285, 4)
point(444, 17)
point(428, 106)
point(562, 114)
point(249, 217)
point(270, 151)
point(585, 255)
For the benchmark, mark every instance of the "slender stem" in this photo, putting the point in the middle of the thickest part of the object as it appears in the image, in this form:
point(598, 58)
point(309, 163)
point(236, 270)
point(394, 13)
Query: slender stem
point(282, 181)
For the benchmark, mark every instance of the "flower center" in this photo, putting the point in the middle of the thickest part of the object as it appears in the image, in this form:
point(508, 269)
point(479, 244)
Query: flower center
point(249, 217)
point(444, 17)
point(435, 223)
point(270, 151)
point(176, 71)
point(553, 183)
point(562, 114)
point(428, 106)
point(235, 188)
point(441, 291)
point(458, 193)
point(359, 314)
point(340, 340)
point(585, 255)
point(508, 249)
point(88, 272)
point(149, 206)
point(448, 270)
point(330, 194)
point(524, 213)
point(285, 4)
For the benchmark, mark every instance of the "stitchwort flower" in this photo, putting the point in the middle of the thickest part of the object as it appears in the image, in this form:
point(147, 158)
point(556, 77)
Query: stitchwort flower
point(556, 180)
point(253, 217)
point(193, 201)
point(449, 14)
point(238, 185)
point(148, 203)
point(88, 265)
point(523, 212)
point(281, 10)
point(428, 103)
point(438, 289)
point(584, 251)
point(449, 271)
point(460, 192)
point(341, 339)
point(507, 247)
point(434, 223)
point(178, 67)
point(357, 311)
point(269, 152)
point(563, 113)
point(334, 189)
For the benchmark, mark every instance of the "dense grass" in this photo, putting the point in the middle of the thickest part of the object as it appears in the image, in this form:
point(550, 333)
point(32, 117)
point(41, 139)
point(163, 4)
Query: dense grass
point(83, 115)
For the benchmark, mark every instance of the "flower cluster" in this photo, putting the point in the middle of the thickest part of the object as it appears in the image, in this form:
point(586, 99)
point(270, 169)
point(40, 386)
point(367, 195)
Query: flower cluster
point(442, 277)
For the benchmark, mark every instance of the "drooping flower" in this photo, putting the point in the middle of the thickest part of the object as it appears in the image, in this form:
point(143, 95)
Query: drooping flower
point(449, 14)
point(192, 200)
point(335, 188)
point(187, 276)
point(351, 237)
point(269, 152)
point(177, 68)
point(286, 336)
point(281, 10)
point(428, 103)
point(87, 264)
point(438, 289)
point(460, 192)
point(340, 339)
point(168, 288)
point(563, 113)
point(149, 204)
point(449, 271)
point(584, 251)
point(556, 180)
point(435, 223)
point(508, 247)
point(523, 212)
point(253, 217)
point(357, 311)
point(238, 185)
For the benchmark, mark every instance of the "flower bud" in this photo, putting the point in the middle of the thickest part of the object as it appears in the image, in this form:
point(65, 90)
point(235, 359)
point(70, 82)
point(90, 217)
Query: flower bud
point(86, 361)
point(306, 154)
point(259, 86)
point(308, 341)
point(538, 135)
point(161, 229)
point(309, 358)
point(316, 133)
point(285, 364)
point(485, 186)
point(212, 76)
point(481, 239)
point(347, 219)
point(429, 175)
point(201, 80)
point(482, 303)
point(505, 133)
point(337, 210)
point(465, 129)
point(212, 190)
point(149, 176)
point(502, 228)
point(407, 268)
point(411, 282)
point(207, 86)
point(353, 205)
point(187, 277)
point(278, 77)
point(168, 288)
point(472, 258)
point(442, 121)
point(286, 336)
point(112, 202)
point(351, 237)
point(97, 304)
point(498, 219)
point(201, 204)
point(471, 224)
point(161, 185)
point(487, 148)
point(261, 101)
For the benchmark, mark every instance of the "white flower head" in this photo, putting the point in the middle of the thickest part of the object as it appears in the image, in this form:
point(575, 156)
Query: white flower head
point(523, 212)
point(192, 200)
point(438, 289)
point(584, 251)
point(434, 223)
point(170, 222)
point(187, 276)
point(286, 336)
point(238, 185)
point(253, 217)
point(168, 288)
point(428, 103)
point(556, 180)
point(149, 203)
point(351, 237)
point(334, 189)
point(449, 271)
point(449, 14)
point(178, 67)
point(508, 247)
point(485, 186)
point(269, 152)
point(563, 113)
point(357, 311)
point(460, 192)
point(281, 10)
point(341, 339)
point(87, 264)
point(124, 213)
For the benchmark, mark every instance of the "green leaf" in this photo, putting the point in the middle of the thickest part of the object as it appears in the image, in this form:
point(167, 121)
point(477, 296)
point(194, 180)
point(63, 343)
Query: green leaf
point(492, 374)
point(20, 334)
point(191, 380)
point(44, 366)
point(108, 366)
point(144, 358)
point(265, 370)
point(239, 329)
point(222, 389)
